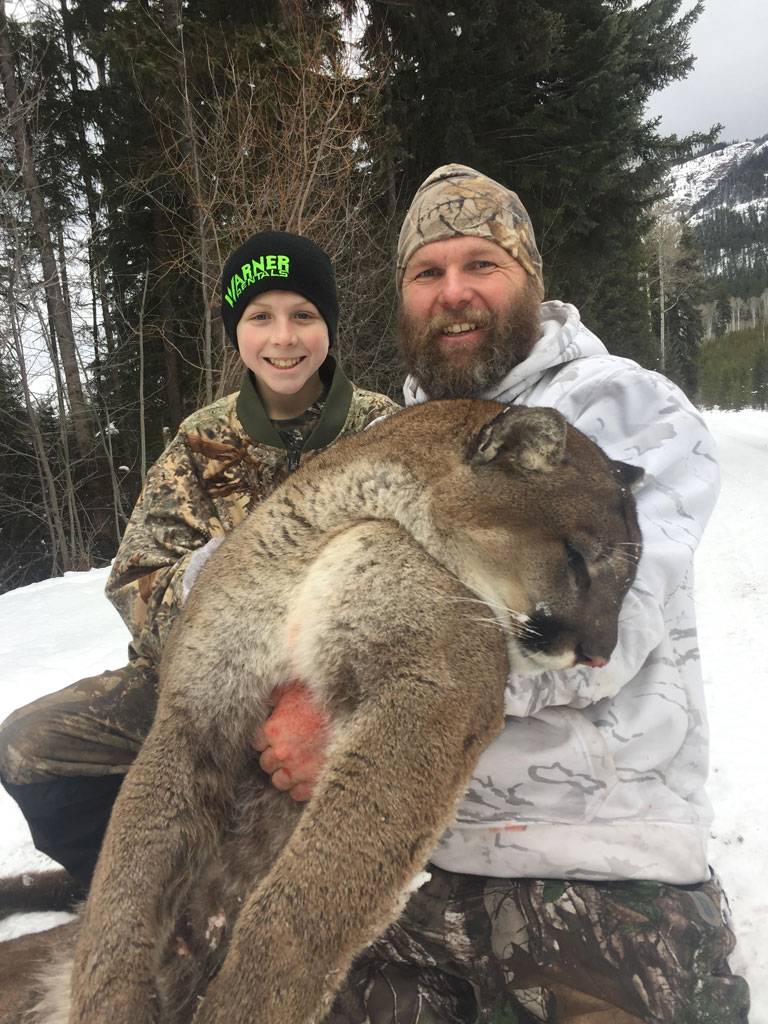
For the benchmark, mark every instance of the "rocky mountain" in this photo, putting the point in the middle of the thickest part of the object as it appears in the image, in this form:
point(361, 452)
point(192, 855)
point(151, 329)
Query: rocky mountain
point(734, 174)
point(722, 194)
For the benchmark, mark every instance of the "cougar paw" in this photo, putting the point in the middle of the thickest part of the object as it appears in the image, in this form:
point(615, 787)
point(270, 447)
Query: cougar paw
point(293, 741)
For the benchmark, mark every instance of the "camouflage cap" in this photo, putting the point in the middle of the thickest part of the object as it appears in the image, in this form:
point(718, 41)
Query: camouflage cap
point(456, 200)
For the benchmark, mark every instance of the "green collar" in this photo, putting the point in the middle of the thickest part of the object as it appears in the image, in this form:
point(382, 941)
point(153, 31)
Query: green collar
point(253, 415)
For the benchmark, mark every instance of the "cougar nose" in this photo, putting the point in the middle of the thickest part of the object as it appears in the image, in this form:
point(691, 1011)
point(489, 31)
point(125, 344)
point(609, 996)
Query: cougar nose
point(592, 661)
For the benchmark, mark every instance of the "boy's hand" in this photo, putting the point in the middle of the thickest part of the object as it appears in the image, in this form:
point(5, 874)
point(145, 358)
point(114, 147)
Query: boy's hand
point(293, 741)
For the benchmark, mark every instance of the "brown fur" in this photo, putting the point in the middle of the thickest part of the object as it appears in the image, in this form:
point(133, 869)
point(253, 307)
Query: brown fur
point(38, 890)
point(399, 574)
point(29, 967)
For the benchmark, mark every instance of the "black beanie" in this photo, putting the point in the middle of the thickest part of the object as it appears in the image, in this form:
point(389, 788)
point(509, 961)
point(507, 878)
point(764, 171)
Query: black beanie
point(278, 260)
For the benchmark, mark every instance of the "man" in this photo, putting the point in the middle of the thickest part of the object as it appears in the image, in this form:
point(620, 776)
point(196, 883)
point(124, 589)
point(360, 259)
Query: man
point(573, 885)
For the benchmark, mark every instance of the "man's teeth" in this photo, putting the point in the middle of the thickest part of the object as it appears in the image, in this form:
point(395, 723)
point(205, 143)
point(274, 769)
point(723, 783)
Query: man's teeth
point(460, 328)
point(284, 364)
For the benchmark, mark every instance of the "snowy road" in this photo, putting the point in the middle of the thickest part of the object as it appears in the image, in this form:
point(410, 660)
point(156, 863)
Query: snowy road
point(57, 631)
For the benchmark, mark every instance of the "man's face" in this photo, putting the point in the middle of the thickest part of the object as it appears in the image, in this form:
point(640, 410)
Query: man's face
point(469, 313)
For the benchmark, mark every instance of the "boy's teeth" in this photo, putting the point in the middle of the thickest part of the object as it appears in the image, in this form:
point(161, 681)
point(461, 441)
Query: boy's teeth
point(460, 328)
point(284, 364)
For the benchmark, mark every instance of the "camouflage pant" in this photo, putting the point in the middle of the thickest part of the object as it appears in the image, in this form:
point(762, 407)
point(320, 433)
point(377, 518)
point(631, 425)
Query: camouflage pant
point(506, 951)
point(466, 948)
point(94, 727)
point(63, 758)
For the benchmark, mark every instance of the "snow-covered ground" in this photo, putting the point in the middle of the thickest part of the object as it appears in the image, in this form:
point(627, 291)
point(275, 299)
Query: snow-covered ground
point(54, 632)
point(732, 589)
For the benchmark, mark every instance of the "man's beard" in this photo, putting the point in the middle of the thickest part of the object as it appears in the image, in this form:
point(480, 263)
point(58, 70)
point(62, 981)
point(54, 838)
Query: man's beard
point(509, 338)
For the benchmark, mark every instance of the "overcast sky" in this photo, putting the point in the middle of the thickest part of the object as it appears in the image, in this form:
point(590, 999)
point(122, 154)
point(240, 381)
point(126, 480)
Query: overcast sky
point(729, 82)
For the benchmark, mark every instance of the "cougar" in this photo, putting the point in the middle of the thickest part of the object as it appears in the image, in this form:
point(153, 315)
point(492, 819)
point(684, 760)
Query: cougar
point(402, 574)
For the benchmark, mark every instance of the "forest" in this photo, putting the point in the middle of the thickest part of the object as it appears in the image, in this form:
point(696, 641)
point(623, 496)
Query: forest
point(141, 141)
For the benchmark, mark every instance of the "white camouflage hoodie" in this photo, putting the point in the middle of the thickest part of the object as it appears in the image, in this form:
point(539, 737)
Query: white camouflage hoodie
point(599, 773)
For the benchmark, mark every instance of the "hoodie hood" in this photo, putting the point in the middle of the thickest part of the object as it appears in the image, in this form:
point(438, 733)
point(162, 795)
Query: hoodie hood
point(563, 338)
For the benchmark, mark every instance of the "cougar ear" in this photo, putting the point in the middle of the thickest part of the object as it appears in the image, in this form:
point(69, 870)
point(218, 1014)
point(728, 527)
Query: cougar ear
point(630, 476)
point(529, 438)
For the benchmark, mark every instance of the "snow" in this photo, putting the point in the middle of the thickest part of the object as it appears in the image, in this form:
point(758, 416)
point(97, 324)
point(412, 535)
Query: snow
point(55, 632)
point(26, 924)
point(51, 634)
point(694, 178)
point(761, 205)
point(732, 570)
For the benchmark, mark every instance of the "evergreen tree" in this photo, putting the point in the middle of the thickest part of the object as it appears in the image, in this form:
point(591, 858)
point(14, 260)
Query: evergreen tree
point(733, 371)
point(760, 372)
point(24, 540)
point(685, 333)
point(722, 320)
point(166, 131)
point(34, 178)
point(547, 96)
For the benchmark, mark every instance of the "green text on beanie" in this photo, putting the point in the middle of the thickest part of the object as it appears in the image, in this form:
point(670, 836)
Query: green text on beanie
point(278, 260)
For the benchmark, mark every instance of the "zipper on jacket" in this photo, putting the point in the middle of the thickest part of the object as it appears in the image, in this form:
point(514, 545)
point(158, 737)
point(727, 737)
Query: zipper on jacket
point(294, 457)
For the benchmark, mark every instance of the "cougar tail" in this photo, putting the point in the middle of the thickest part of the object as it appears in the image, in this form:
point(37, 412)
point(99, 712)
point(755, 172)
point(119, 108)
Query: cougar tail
point(34, 976)
point(53, 987)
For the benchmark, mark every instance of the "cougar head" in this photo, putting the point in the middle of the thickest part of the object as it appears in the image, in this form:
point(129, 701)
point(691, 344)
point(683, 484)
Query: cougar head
point(544, 529)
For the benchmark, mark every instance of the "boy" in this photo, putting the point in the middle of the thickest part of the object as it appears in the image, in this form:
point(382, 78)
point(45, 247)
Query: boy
point(63, 757)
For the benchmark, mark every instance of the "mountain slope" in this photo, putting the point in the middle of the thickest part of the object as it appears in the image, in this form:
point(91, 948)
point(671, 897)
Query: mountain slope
point(723, 195)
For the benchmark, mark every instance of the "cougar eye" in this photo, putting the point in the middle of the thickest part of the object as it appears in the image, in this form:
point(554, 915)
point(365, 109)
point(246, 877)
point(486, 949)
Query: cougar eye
point(577, 564)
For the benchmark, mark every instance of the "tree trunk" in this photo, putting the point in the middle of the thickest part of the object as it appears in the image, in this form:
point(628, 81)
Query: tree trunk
point(292, 14)
point(662, 309)
point(61, 559)
point(142, 417)
point(97, 270)
point(53, 291)
point(119, 517)
point(78, 558)
point(161, 257)
point(63, 269)
point(172, 14)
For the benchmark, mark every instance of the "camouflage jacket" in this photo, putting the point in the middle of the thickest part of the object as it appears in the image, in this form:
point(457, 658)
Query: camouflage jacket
point(225, 458)
point(599, 773)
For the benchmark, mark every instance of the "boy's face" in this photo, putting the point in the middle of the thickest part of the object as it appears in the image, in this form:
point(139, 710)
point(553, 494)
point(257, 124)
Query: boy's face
point(283, 339)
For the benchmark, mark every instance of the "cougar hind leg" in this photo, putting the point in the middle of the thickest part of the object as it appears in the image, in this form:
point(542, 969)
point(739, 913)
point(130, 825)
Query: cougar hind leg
point(207, 908)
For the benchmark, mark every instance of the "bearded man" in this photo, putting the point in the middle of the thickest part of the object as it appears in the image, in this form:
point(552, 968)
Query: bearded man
point(573, 885)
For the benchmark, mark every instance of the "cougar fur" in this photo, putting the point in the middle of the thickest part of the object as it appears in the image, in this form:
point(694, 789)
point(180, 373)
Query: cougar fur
point(401, 574)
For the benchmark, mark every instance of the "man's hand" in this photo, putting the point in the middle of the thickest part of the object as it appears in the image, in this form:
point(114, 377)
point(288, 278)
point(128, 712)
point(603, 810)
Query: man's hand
point(293, 741)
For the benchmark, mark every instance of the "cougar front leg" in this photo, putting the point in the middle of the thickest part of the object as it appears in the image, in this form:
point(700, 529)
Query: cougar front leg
point(388, 790)
point(168, 807)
